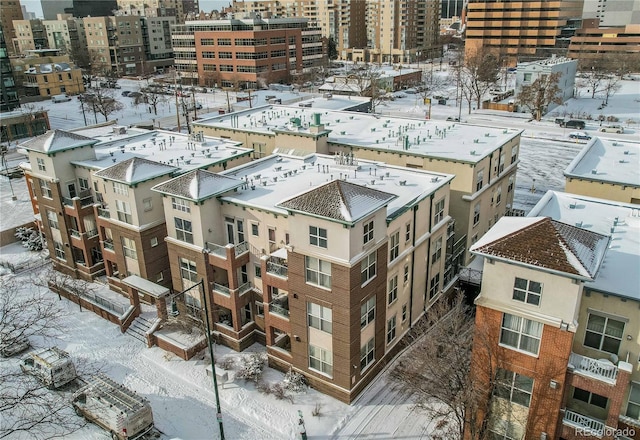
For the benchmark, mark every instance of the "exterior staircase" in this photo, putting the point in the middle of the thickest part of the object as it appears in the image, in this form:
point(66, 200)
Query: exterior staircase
point(139, 328)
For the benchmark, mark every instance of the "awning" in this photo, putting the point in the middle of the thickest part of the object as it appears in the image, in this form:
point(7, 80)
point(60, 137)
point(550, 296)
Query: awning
point(280, 253)
point(146, 286)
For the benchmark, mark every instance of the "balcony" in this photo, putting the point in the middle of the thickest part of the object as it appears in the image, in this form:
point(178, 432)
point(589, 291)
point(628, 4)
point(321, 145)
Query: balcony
point(219, 288)
point(601, 369)
point(278, 267)
point(85, 198)
point(280, 305)
point(221, 251)
point(92, 233)
point(75, 233)
point(104, 213)
point(586, 425)
point(108, 245)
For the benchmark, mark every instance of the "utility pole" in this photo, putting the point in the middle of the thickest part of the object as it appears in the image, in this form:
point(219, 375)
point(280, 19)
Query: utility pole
point(175, 92)
point(228, 105)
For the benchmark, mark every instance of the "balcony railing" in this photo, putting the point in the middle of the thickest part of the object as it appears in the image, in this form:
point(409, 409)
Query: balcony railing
point(241, 248)
point(244, 288)
point(85, 197)
point(92, 233)
point(108, 244)
point(219, 288)
point(586, 424)
point(221, 251)
point(278, 309)
point(277, 269)
point(74, 233)
point(104, 213)
point(600, 369)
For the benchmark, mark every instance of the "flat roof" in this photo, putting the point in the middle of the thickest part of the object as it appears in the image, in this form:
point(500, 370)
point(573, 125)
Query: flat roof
point(438, 139)
point(607, 160)
point(279, 177)
point(618, 274)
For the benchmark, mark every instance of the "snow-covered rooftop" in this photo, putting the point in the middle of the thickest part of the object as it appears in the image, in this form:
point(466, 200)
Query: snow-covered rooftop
point(618, 274)
point(57, 140)
point(280, 177)
point(335, 102)
point(135, 170)
point(198, 185)
point(441, 139)
point(607, 160)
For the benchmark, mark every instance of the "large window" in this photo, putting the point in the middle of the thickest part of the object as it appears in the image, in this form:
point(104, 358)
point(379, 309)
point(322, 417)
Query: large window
point(318, 272)
point(319, 317)
point(521, 333)
point(180, 205)
point(391, 329)
point(437, 251)
point(367, 232)
point(603, 333)
point(368, 268)
point(394, 246)
point(514, 387)
point(320, 360)
point(59, 250)
point(124, 212)
point(52, 217)
point(527, 291)
point(184, 230)
point(392, 294)
point(438, 209)
point(367, 352)
point(633, 408)
point(434, 286)
point(45, 188)
point(479, 180)
point(367, 312)
point(129, 248)
point(188, 273)
point(41, 165)
point(318, 236)
point(590, 398)
point(120, 188)
point(476, 214)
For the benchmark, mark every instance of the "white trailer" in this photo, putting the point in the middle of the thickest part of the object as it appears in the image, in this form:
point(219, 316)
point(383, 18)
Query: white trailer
point(52, 366)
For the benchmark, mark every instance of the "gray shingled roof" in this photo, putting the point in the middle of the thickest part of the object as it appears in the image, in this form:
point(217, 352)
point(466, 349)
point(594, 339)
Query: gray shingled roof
point(547, 244)
point(57, 140)
point(135, 170)
point(339, 200)
point(198, 185)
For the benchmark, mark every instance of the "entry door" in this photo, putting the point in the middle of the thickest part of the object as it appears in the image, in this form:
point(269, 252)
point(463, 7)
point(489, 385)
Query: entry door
point(230, 231)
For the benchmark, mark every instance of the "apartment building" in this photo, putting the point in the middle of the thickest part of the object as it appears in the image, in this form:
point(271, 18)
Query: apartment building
point(522, 30)
point(8, 89)
point(160, 8)
point(51, 8)
point(23, 123)
point(483, 159)
point(52, 79)
point(245, 53)
point(558, 314)
point(92, 189)
point(527, 73)
point(592, 41)
point(606, 168)
point(328, 260)
point(10, 10)
point(29, 35)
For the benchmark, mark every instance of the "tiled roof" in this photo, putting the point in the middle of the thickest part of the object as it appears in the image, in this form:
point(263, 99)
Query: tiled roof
point(547, 244)
point(57, 140)
point(198, 185)
point(339, 200)
point(135, 170)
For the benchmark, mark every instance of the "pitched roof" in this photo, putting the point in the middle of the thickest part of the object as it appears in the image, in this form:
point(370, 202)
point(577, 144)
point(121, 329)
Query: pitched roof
point(339, 200)
point(135, 170)
point(198, 185)
point(57, 140)
point(545, 243)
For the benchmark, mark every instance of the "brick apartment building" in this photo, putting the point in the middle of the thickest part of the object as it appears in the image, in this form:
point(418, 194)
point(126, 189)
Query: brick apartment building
point(592, 41)
point(245, 53)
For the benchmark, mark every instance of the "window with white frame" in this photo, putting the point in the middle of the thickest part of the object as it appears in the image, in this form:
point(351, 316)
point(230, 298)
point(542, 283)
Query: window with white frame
point(521, 333)
point(498, 195)
point(514, 154)
point(124, 212)
point(41, 164)
point(479, 180)
point(367, 354)
point(318, 272)
point(392, 293)
point(505, 429)
point(501, 164)
point(514, 387)
point(319, 317)
point(184, 230)
point(120, 188)
point(188, 273)
point(438, 210)
point(407, 232)
point(368, 268)
point(367, 232)
point(59, 250)
point(45, 188)
point(512, 180)
point(320, 360)
point(154, 241)
point(394, 246)
point(434, 286)
point(633, 407)
point(129, 248)
point(254, 229)
point(259, 309)
point(527, 291)
point(590, 398)
point(391, 329)
point(476, 214)
point(404, 312)
point(604, 333)
point(318, 236)
point(180, 204)
point(405, 277)
point(367, 312)
point(83, 183)
point(52, 218)
point(437, 250)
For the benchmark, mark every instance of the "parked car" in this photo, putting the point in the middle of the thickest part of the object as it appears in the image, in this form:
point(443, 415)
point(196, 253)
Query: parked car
point(454, 119)
point(612, 129)
point(126, 93)
point(60, 98)
point(579, 135)
point(12, 345)
point(573, 123)
point(53, 367)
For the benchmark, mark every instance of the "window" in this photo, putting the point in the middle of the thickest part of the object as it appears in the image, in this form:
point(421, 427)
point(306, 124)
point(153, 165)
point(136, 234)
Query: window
point(368, 268)
point(367, 232)
point(59, 250)
point(45, 188)
point(434, 286)
point(479, 180)
point(527, 77)
point(52, 217)
point(406, 274)
point(180, 205)
point(318, 272)
point(394, 246)
point(391, 329)
point(633, 408)
point(367, 312)
point(124, 212)
point(476, 214)
point(392, 293)
point(129, 248)
point(367, 354)
point(319, 317)
point(83, 183)
point(603, 333)
point(271, 233)
point(318, 236)
point(590, 398)
point(514, 387)
point(154, 241)
point(159, 277)
point(254, 229)
point(320, 360)
point(188, 273)
point(184, 230)
point(259, 309)
point(512, 180)
point(521, 333)
point(527, 291)
point(437, 250)
point(119, 188)
point(407, 232)
point(501, 164)
point(439, 212)
point(147, 205)
point(514, 154)
point(257, 270)
point(498, 195)
point(41, 165)
point(404, 312)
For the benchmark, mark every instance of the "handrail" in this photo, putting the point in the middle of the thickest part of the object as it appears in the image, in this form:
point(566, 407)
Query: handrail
point(274, 308)
point(595, 426)
point(277, 269)
point(602, 369)
point(219, 288)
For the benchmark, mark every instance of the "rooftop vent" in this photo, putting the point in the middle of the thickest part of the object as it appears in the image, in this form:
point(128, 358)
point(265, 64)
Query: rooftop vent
point(594, 171)
point(572, 206)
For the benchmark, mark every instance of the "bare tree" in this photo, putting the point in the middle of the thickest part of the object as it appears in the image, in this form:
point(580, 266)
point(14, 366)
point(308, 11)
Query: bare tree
point(102, 101)
point(366, 82)
point(479, 72)
point(60, 282)
point(610, 85)
point(152, 95)
point(537, 96)
point(432, 85)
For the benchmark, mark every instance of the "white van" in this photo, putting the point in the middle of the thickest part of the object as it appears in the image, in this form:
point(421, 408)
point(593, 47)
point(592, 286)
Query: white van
point(52, 366)
point(114, 408)
point(60, 98)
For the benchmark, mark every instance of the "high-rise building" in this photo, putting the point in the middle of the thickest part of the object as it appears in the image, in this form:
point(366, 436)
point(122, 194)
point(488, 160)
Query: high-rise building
point(159, 8)
point(452, 8)
point(8, 90)
point(51, 8)
point(92, 8)
point(522, 30)
point(613, 13)
point(10, 10)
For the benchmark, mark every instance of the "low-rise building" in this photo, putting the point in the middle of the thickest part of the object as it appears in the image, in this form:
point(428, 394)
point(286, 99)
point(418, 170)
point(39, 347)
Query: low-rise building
point(23, 123)
point(528, 73)
point(52, 79)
